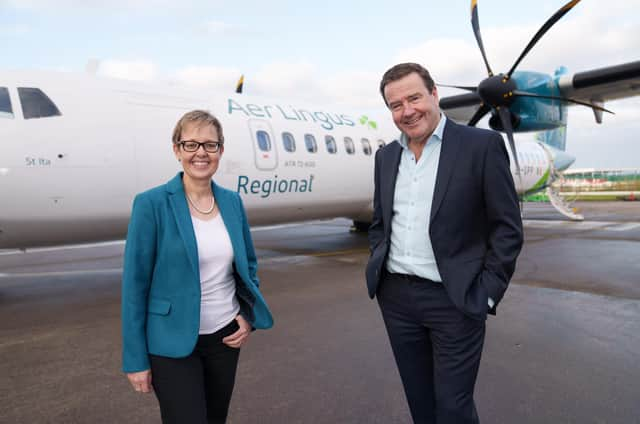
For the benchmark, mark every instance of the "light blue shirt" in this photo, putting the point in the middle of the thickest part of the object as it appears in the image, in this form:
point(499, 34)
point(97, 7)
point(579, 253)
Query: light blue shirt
point(411, 251)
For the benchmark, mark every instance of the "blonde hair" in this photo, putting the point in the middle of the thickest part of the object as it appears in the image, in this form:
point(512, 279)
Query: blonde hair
point(200, 118)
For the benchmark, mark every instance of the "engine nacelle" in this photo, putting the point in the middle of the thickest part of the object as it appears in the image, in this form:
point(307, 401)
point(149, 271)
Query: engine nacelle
point(496, 124)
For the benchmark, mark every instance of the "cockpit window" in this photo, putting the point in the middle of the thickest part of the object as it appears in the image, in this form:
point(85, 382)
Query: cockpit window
point(36, 104)
point(6, 111)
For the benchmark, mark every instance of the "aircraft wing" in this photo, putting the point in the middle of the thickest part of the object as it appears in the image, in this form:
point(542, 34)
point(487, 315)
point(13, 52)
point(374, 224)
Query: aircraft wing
point(460, 108)
point(603, 84)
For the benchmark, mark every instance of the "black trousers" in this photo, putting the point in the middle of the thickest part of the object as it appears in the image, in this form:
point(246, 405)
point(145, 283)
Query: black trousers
point(197, 389)
point(436, 347)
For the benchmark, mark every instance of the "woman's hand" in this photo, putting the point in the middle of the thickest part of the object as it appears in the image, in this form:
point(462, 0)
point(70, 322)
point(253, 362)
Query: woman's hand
point(141, 381)
point(238, 338)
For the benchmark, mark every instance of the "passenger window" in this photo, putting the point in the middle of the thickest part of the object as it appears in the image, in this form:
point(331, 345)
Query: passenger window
point(331, 144)
point(36, 104)
point(366, 147)
point(381, 143)
point(264, 141)
point(349, 146)
point(288, 142)
point(310, 142)
point(6, 111)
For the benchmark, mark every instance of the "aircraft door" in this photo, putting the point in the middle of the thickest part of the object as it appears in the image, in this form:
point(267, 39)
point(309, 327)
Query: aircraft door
point(264, 145)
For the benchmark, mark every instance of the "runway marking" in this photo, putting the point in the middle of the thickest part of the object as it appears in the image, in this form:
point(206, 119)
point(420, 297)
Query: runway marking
point(282, 259)
point(339, 252)
point(61, 273)
point(591, 225)
point(584, 225)
point(280, 226)
point(625, 227)
point(258, 228)
point(307, 256)
point(65, 247)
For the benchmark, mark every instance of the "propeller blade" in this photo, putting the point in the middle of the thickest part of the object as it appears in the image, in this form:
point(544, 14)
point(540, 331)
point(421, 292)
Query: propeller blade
point(461, 87)
point(550, 22)
point(475, 23)
point(480, 113)
point(505, 118)
point(564, 99)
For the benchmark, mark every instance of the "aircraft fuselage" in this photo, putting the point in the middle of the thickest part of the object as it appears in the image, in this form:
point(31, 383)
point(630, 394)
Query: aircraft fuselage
point(71, 177)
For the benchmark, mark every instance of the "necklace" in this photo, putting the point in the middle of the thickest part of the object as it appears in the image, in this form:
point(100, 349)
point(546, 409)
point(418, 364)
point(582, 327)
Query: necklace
point(208, 211)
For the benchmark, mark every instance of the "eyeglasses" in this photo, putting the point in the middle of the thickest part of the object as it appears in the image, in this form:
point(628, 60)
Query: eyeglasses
point(193, 146)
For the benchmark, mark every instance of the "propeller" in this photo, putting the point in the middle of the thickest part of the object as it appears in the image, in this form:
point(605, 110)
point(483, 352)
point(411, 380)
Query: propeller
point(475, 23)
point(564, 99)
point(498, 92)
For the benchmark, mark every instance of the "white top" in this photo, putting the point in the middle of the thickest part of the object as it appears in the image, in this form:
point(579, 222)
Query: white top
point(218, 303)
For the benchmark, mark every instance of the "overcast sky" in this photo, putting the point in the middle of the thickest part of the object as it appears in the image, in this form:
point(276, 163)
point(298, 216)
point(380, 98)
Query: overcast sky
point(332, 52)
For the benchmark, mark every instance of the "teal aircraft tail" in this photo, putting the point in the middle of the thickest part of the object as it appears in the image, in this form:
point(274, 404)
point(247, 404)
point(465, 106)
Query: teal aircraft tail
point(556, 138)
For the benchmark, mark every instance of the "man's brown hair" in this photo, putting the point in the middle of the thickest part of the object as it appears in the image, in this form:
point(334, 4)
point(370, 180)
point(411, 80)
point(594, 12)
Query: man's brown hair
point(401, 70)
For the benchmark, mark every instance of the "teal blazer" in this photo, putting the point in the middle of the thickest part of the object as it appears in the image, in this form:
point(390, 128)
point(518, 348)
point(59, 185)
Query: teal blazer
point(161, 276)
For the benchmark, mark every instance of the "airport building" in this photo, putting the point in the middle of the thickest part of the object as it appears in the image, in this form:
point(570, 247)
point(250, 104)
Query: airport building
point(590, 180)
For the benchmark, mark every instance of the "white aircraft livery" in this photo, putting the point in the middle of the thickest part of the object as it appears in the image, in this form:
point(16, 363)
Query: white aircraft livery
point(75, 149)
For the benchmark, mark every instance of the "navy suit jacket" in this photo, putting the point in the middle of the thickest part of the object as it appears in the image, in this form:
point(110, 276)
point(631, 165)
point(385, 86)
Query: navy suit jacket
point(475, 226)
point(161, 276)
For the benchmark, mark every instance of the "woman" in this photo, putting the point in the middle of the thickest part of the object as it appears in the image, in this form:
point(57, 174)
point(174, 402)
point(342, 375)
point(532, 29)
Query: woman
point(189, 288)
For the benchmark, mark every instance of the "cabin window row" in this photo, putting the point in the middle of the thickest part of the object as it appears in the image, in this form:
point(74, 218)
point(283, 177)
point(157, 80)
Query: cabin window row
point(311, 145)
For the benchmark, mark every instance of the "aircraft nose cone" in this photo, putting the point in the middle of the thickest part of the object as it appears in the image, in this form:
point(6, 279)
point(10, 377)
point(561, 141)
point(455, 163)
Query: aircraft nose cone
point(562, 160)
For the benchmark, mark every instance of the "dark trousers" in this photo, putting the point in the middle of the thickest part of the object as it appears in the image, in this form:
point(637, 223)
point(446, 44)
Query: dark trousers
point(197, 389)
point(437, 349)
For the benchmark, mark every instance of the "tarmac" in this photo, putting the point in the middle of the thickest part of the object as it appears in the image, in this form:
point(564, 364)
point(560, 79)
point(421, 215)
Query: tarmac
point(564, 347)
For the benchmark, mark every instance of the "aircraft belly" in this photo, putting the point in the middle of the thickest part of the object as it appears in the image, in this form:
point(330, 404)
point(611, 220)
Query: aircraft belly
point(33, 233)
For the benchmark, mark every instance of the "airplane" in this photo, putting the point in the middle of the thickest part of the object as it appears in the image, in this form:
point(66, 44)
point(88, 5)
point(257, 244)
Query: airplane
point(75, 148)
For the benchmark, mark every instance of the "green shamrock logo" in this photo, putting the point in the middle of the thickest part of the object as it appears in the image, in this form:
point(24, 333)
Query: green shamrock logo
point(364, 120)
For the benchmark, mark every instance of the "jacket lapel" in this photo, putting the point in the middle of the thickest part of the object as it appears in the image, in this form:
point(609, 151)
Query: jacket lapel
point(388, 176)
point(448, 153)
point(180, 209)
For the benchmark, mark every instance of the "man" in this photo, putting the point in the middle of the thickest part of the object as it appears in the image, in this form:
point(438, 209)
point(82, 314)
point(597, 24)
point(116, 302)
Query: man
point(444, 239)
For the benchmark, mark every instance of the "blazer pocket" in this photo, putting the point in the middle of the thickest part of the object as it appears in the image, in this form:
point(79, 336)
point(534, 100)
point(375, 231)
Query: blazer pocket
point(159, 306)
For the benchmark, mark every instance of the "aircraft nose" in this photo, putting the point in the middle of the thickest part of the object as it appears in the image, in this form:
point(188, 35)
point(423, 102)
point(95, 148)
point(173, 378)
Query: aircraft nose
point(562, 160)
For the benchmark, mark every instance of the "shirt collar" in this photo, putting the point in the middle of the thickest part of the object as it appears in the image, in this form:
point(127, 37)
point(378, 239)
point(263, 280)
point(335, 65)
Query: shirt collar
point(437, 133)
